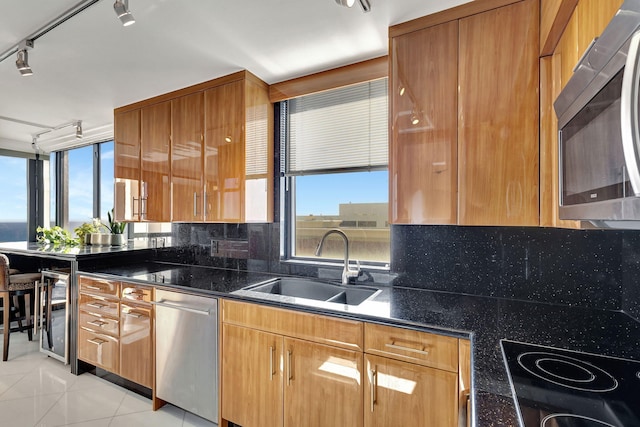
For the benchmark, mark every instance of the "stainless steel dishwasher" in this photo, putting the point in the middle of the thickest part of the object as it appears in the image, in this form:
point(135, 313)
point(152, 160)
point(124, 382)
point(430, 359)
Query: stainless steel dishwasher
point(187, 352)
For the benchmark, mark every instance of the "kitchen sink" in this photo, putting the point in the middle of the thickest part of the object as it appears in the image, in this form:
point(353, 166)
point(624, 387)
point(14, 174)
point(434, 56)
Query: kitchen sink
point(309, 289)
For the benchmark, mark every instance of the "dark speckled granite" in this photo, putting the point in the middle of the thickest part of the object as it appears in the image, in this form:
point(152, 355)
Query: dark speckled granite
point(593, 268)
point(485, 319)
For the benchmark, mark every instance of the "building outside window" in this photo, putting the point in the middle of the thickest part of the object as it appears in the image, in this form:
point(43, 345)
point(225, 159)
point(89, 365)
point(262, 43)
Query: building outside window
point(335, 146)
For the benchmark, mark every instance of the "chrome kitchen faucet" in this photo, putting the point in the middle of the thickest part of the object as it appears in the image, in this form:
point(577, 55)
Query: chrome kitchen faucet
point(346, 272)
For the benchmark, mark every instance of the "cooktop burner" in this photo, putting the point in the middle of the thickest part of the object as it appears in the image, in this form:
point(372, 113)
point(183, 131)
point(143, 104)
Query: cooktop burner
point(561, 388)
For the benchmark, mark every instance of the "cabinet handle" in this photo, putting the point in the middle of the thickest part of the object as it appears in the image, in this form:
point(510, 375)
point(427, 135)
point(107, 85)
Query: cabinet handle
point(204, 195)
point(96, 305)
point(271, 371)
point(95, 288)
point(468, 409)
point(98, 323)
point(373, 386)
point(133, 206)
point(289, 365)
point(96, 341)
point(136, 315)
point(195, 204)
point(394, 346)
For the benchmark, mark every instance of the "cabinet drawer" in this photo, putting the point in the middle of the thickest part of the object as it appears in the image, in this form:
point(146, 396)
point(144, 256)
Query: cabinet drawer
point(98, 349)
point(99, 305)
point(138, 293)
point(311, 327)
point(98, 286)
point(100, 323)
point(423, 348)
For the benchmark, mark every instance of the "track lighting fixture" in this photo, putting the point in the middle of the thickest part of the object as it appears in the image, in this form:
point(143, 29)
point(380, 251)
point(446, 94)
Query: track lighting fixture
point(121, 8)
point(79, 129)
point(22, 63)
point(366, 6)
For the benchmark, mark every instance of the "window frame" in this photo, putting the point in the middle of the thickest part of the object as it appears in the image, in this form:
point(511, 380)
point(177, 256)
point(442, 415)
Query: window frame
point(288, 203)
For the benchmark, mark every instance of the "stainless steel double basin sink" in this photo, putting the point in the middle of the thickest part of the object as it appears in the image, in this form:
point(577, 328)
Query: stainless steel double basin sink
point(292, 289)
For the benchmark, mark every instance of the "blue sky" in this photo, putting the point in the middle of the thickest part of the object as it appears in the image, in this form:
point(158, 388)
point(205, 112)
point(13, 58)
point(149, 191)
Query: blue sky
point(322, 194)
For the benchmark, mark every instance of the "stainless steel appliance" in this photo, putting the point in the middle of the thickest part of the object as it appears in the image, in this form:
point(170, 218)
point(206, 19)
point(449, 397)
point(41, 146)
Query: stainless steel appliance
point(598, 123)
point(187, 352)
point(53, 310)
point(561, 388)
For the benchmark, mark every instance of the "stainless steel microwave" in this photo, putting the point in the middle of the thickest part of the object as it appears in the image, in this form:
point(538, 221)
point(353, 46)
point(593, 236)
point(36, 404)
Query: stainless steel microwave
point(599, 134)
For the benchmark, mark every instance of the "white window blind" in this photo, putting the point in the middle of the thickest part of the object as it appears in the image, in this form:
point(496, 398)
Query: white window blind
point(341, 129)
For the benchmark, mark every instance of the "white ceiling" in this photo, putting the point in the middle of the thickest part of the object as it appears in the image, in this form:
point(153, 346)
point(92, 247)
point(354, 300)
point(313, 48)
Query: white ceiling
point(91, 64)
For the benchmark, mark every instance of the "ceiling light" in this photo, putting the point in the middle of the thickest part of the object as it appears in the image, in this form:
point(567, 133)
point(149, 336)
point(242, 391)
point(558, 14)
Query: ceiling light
point(122, 10)
point(22, 63)
point(347, 3)
point(79, 129)
point(366, 6)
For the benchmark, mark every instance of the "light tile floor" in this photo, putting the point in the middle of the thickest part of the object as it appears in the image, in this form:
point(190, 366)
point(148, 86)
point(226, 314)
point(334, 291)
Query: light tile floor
point(38, 391)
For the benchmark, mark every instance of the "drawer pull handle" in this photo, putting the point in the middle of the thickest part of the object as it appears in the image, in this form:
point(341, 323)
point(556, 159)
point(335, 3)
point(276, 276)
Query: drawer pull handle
point(96, 341)
point(394, 346)
point(96, 305)
point(93, 288)
point(98, 323)
point(132, 314)
point(135, 292)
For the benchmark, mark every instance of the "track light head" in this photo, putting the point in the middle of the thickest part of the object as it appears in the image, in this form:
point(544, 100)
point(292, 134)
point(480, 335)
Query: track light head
point(121, 7)
point(34, 145)
point(22, 63)
point(79, 129)
point(346, 3)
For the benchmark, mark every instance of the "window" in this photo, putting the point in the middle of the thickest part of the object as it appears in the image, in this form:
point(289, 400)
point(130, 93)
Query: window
point(13, 215)
point(88, 190)
point(335, 171)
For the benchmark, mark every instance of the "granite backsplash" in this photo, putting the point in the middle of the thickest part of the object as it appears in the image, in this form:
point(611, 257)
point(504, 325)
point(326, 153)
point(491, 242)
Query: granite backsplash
point(589, 268)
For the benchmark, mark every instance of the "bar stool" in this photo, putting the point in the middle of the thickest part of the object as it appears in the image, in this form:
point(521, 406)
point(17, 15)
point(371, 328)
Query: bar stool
point(12, 287)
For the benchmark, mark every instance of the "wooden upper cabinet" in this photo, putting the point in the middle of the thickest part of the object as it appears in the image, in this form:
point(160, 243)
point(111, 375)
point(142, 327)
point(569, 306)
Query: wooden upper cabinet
point(593, 18)
point(238, 152)
point(155, 131)
point(187, 158)
point(423, 148)
point(224, 152)
point(126, 165)
point(498, 116)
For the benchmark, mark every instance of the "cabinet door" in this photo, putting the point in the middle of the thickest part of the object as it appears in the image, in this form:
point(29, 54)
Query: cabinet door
point(155, 132)
point(322, 385)
point(423, 149)
point(136, 357)
point(251, 377)
point(403, 394)
point(224, 153)
point(593, 18)
point(187, 120)
point(126, 165)
point(498, 116)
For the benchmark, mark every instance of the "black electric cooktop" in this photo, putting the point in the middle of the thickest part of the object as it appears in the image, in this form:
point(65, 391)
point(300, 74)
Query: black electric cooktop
point(561, 388)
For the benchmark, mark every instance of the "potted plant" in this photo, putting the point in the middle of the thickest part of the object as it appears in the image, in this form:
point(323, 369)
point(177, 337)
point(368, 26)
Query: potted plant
point(85, 230)
point(117, 229)
point(56, 236)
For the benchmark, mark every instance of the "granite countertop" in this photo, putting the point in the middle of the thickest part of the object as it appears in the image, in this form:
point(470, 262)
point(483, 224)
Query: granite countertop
point(485, 320)
point(70, 252)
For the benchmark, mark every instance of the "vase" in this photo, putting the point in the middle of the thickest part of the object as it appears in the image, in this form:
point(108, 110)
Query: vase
point(118, 239)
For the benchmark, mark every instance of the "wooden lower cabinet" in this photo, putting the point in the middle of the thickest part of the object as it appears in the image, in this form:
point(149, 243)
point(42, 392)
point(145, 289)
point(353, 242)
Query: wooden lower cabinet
point(115, 328)
point(322, 385)
point(136, 362)
point(278, 373)
point(409, 395)
point(98, 349)
point(251, 377)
